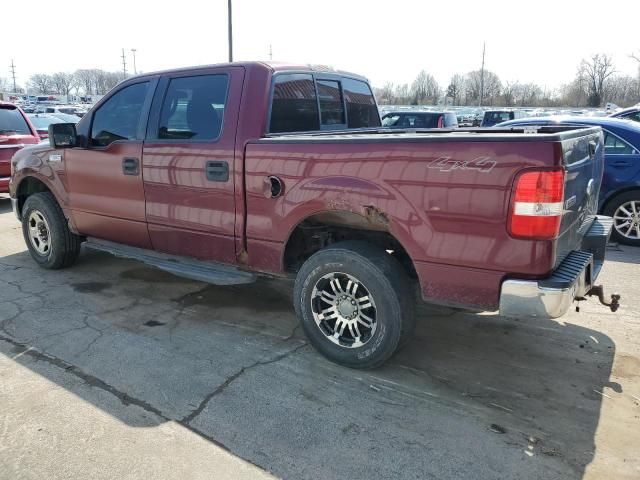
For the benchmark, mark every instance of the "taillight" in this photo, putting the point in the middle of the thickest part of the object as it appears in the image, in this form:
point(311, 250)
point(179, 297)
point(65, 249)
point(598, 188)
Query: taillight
point(537, 205)
point(441, 121)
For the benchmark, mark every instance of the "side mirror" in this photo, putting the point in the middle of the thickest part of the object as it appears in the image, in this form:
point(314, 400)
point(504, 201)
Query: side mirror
point(62, 135)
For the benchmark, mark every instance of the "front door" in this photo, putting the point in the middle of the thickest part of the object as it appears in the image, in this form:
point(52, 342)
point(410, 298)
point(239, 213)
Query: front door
point(188, 164)
point(105, 176)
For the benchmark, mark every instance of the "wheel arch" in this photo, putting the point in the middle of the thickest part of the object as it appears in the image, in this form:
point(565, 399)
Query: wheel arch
point(320, 229)
point(615, 194)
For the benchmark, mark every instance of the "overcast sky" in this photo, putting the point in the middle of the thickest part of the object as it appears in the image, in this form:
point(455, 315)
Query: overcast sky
point(386, 40)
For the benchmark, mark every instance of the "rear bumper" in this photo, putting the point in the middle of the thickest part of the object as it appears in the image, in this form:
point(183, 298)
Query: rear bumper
point(551, 297)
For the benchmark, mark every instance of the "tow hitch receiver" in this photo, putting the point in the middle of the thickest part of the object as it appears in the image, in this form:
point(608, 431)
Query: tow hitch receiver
point(598, 291)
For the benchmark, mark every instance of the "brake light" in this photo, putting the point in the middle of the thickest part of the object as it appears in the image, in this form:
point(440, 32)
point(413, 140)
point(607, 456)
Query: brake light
point(537, 206)
point(441, 121)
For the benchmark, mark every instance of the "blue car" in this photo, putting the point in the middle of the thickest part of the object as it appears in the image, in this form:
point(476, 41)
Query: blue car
point(620, 191)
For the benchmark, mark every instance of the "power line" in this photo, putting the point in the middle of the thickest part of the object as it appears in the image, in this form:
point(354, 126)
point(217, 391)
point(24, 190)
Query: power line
point(124, 64)
point(230, 32)
point(13, 74)
point(484, 45)
point(135, 70)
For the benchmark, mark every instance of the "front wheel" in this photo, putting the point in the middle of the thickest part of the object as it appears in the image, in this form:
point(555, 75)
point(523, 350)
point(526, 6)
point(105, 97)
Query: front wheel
point(51, 244)
point(355, 303)
point(625, 210)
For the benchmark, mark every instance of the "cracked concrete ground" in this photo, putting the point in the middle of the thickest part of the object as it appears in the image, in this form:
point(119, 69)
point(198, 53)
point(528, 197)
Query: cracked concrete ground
point(114, 370)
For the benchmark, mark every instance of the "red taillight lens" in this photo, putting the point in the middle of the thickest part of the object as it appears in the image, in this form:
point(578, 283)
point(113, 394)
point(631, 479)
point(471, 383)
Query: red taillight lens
point(537, 206)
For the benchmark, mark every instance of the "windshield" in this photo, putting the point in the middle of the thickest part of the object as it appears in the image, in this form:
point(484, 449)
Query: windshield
point(411, 120)
point(12, 122)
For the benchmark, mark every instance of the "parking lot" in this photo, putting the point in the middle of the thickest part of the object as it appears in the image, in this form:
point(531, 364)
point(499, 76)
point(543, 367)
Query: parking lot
point(115, 370)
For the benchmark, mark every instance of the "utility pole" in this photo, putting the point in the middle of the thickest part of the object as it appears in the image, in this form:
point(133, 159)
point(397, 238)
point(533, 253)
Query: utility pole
point(124, 65)
point(484, 45)
point(13, 74)
point(270, 52)
point(230, 31)
point(135, 70)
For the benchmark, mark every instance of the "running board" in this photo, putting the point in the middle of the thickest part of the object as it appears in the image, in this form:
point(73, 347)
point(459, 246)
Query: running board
point(203, 271)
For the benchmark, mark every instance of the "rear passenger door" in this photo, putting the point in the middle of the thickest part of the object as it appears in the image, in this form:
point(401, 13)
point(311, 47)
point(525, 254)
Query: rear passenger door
point(189, 162)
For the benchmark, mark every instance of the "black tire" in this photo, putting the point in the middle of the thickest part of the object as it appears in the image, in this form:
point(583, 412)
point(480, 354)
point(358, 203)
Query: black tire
point(63, 245)
point(612, 207)
point(380, 278)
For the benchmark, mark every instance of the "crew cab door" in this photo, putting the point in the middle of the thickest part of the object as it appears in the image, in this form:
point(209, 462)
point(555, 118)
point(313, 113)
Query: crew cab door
point(622, 164)
point(104, 175)
point(189, 163)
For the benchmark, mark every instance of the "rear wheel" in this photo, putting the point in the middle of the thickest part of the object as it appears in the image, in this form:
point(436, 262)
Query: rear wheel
point(355, 303)
point(46, 232)
point(625, 210)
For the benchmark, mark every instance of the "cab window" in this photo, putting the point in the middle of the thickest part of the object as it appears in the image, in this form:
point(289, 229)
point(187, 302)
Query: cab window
point(294, 107)
point(119, 117)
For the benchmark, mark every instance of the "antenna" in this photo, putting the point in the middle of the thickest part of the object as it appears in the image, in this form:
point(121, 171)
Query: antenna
point(13, 74)
point(484, 45)
point(270, 52)
point(124, 64)
point(230, 30)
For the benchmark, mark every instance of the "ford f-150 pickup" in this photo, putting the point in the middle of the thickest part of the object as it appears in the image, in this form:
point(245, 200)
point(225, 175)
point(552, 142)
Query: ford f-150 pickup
point(226, 172)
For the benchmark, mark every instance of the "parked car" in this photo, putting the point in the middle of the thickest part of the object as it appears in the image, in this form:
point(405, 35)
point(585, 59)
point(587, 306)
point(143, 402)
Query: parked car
point(631, 113)
point(41, 122)
point(15, 132)
point(222, 173)
point(493, 117)
point(68, 109)
point(418, 119)
point(620, 191)
point(65, 117)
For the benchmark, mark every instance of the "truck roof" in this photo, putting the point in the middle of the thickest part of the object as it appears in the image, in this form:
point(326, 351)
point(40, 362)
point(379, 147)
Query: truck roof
point(273, 66)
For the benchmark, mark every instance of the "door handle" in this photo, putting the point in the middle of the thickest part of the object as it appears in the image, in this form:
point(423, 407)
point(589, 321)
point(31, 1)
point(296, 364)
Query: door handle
point(217, 171)
point(130, 166)
point(621, 163)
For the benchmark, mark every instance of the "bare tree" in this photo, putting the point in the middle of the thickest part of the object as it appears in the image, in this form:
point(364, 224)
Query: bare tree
point(492, 86)
point(62, 82)
point(456, 88)
point(4, 84)
point(41, 83)
point(425, 89)
point(385, 94)
point(401, 94)
point(85, 79)
point(596, 70)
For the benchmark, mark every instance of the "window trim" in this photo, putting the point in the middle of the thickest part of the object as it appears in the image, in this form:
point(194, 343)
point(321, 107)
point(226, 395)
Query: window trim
point(144, 113)
point(339, 77)
point(335, 126)
point(153, 126)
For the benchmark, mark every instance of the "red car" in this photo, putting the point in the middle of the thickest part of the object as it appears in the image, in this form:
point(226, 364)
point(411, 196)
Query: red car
point(226, 172)
point(16, 131)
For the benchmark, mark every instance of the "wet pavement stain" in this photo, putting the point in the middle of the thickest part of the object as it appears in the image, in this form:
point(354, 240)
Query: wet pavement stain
point(263, 295)
point(90, 287)
point(153, 323)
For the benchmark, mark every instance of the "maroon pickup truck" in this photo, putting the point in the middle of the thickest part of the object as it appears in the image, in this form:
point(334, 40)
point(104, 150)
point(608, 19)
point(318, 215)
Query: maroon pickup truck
point(226, 172)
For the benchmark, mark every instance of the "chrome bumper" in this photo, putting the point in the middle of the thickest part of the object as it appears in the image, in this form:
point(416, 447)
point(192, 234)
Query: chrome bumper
point(552, 297)
point(14, 207)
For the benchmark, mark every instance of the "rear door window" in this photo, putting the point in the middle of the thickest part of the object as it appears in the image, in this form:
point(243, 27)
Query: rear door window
point(12, 122)
point(614, 145)
point(193, 108)
point(294, 107)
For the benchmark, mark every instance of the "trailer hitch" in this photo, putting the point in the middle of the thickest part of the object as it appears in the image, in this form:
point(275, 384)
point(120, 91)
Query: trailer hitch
point(598, 291)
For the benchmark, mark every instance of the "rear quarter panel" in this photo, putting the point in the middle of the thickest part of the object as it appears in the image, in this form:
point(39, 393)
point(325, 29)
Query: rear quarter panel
point(445, 202)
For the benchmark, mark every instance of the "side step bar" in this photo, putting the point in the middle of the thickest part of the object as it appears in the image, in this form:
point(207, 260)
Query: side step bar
point(203, 271)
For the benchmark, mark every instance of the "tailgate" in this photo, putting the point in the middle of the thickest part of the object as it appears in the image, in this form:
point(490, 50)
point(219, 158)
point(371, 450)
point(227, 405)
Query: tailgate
point(583, 159)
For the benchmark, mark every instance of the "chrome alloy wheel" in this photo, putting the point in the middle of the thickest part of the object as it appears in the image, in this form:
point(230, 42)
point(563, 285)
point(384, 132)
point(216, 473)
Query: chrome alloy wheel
point(627, 219)
point(39, 233)
point(344, 310)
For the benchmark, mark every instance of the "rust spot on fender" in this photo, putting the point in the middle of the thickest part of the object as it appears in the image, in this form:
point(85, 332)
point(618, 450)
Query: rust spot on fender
point(243, 257)
point(376, 216)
